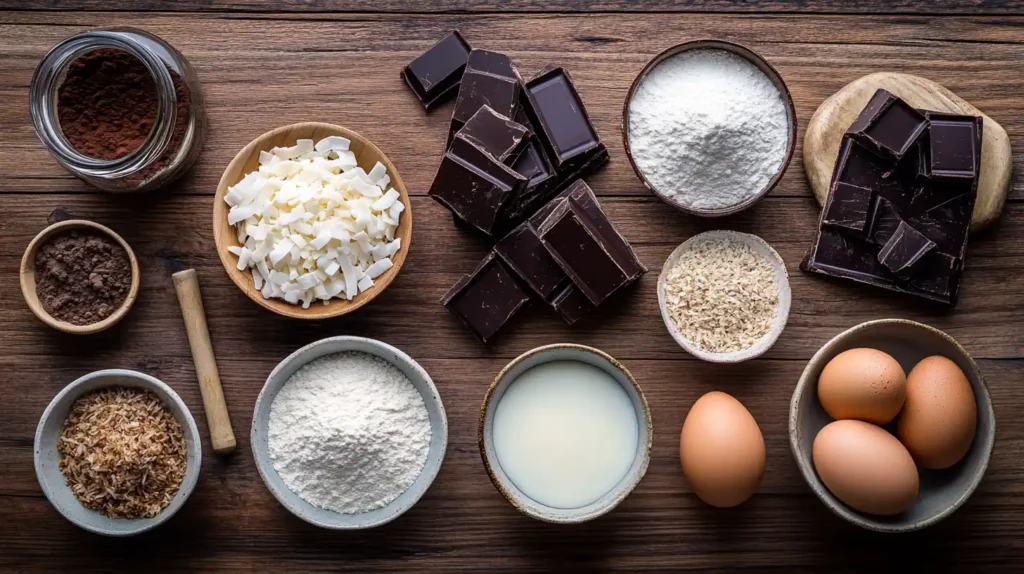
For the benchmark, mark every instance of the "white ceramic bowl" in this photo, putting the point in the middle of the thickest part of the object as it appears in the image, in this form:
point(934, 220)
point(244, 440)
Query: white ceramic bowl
point(781, 282)
point(508, 489)
point(328, 518)
point(47, 459)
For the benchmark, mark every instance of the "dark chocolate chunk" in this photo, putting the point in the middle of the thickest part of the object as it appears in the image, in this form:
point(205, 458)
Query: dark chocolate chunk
point(838, 255)
point(496, 134)
point(573, 241)
point(954, 150)
point(884, 221)
point(848, 207)
point(581, 194)
point(523, 251)
point(434, 75)
point(938, 274)
point(486, 300)
point(556, 109)
point(904, 249)
point(888, 126)
point(474, 185)
point(571, 304)
point(490, 79)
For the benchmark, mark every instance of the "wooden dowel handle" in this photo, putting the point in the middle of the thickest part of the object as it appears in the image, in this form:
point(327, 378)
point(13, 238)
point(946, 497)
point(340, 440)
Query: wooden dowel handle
point(186, 284)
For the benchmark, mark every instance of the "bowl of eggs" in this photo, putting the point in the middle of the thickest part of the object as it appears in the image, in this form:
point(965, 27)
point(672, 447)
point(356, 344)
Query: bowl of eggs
point(892, 426)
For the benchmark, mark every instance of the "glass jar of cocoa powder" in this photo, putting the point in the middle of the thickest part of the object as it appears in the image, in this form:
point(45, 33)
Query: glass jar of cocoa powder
point(119, 108)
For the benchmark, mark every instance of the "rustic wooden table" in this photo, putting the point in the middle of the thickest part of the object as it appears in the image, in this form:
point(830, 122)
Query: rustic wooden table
point(265, 64)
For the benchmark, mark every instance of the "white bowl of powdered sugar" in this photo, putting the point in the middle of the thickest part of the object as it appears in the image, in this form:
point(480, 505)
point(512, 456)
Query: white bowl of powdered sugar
point(349, 433)
point(709, 127)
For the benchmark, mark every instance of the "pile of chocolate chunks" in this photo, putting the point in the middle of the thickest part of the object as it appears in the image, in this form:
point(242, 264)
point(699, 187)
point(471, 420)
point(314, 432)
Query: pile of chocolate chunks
point(902, 194)
point(516, 153)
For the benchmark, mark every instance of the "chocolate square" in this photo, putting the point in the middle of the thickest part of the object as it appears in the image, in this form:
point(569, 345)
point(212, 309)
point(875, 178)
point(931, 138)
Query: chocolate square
point(573, 241)
point(571, 305)
point(888, 126)
point(490, 79)
point(487, 299)
point(474, 185)
point(954, 150)
point(434, 74)
point(496, 134)
point(554, 105)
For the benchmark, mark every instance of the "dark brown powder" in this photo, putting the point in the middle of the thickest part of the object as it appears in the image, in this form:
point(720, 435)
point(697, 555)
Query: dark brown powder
point(82, 278)
point(108, 102)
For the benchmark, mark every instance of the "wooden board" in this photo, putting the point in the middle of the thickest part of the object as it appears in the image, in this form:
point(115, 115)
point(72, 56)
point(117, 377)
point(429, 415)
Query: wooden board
point(252, 66)
point(833, 117)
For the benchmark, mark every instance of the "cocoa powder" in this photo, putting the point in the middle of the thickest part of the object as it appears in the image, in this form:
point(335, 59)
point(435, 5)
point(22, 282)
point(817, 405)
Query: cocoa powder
point(108, 102)
point(82, 278)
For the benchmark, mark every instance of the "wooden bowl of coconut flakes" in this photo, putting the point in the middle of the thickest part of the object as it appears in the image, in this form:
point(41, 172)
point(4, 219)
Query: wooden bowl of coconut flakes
point(724, 296)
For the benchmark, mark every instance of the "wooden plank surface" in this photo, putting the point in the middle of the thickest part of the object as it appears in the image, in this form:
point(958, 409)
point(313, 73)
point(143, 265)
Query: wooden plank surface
point(262, 70)
point(939, 7)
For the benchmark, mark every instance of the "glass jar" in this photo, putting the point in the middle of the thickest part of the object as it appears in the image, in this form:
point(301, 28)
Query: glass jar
point(178, 128)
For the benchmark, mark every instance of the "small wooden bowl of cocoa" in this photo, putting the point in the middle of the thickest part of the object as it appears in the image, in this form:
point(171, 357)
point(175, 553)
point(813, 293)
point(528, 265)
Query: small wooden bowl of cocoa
point(79, 277)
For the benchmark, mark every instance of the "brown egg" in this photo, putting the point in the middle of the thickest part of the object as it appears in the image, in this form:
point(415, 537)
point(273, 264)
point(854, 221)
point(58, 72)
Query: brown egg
point(940, 415)
point(722, 450)
point(865, 467)
point(863, 384)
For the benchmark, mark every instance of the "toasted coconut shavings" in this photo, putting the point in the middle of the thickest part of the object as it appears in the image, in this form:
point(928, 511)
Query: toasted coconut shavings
point(721, 295)
point(122, 452)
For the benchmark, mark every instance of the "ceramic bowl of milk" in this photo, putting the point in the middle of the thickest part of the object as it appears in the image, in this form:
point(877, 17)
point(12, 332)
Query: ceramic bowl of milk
point(565, 433)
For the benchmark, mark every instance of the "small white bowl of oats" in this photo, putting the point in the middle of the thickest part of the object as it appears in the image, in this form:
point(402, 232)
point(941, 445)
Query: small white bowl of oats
point(724, 296)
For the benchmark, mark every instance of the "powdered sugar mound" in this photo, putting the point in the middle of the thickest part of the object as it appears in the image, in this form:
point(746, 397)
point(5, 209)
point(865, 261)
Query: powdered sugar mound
point(349, 432)
point(708, 128)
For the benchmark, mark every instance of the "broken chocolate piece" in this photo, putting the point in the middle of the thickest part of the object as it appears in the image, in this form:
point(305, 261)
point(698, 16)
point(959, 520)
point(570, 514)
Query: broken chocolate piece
point(954, 150)
point(486, 300)
point(554, 105)
point(848, 207)
point(490, 79)
point(888, 126)
point(576, 245)
point(523, 251)
point(938, 274)
point(884, 221)
point(496, 134)
point(571, 304)
point(434, 74)
point(474, 185)
point(905, 248)
point(840, 256)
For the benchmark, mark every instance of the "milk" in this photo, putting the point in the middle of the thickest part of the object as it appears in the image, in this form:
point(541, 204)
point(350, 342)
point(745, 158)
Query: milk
point(565, 433)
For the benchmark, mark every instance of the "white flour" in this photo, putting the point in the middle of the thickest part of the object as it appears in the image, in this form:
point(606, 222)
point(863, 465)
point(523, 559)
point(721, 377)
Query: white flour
point(708, 128)
point(349, 433)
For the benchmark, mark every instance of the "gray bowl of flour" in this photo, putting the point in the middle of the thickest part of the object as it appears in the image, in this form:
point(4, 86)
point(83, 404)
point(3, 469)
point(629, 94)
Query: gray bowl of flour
point(348, 433)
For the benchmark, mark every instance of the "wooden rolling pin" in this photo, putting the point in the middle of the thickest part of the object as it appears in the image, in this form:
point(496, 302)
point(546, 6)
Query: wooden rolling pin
point(186, 284)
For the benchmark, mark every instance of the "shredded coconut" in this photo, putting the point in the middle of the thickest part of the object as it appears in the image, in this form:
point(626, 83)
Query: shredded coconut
point(349, 432)
point(721, 295)
point(122, 452)
point(708, 129)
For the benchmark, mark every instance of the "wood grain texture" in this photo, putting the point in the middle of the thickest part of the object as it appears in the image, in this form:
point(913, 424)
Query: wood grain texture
point(254, 68)
point(833, 117)
point(934, 7)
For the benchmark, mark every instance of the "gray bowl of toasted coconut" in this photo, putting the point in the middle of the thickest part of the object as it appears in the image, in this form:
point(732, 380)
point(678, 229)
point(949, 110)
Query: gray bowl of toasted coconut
point(724, 296)
point(117, 452)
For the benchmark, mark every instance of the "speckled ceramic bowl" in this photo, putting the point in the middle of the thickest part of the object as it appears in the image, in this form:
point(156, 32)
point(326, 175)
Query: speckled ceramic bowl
point(501, 383)
point(781, 282)
point(47, 459)
point(941, 491)
point(327, 518)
